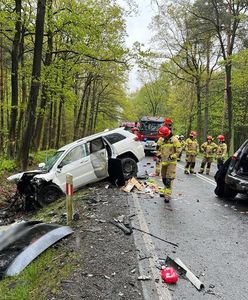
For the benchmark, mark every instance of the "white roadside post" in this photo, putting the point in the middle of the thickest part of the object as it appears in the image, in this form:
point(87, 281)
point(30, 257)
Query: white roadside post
point(69, 194)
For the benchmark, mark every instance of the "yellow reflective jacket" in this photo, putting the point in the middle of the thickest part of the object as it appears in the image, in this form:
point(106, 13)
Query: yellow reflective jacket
point(209, 150)
point(170, 149)
point(183, 144)
point(221, 150)
point(191, 146)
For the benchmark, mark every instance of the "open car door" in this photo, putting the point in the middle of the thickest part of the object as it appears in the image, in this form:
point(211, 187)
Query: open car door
point(104, 161)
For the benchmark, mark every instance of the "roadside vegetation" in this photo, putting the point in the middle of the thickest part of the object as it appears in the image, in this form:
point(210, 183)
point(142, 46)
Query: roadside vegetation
point(198, 74)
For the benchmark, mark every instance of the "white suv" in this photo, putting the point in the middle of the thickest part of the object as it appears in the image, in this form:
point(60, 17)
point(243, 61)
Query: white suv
point(111, 153)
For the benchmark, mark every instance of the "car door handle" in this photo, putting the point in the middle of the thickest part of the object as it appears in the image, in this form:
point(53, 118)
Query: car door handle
point(84, 161)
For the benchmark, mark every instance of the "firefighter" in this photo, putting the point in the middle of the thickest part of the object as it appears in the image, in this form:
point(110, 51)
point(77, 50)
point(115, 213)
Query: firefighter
point(209, 149)
point(182, 142)
point(158, 156)
point(168, 123)
point(135, 131)
point(168, 151)
point(221, 151)
point(192, 149)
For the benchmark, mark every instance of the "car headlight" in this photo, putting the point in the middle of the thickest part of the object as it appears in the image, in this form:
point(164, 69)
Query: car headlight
point(36, 181)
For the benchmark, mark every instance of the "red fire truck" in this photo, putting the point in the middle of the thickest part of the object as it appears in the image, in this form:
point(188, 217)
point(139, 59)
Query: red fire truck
point(149, 131)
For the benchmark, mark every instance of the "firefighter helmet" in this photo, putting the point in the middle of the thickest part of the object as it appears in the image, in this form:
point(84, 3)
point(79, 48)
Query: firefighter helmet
point(193, 133)
point(164, 131)
point(209, 137)
point(221, 138)
point(168, 121)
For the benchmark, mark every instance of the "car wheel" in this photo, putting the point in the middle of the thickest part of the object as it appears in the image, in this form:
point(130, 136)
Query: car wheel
point(48, 194)
point(129, 167)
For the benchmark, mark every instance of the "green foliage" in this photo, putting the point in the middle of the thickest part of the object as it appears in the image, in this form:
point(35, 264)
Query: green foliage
point(30, 283)
point(7, 165)
point(42, 156)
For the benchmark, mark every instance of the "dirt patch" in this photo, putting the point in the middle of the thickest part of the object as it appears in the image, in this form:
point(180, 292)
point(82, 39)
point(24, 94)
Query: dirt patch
point(106, 258)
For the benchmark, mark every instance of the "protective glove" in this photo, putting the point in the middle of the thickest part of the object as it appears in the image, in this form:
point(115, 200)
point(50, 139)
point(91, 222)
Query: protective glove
point(173, 156)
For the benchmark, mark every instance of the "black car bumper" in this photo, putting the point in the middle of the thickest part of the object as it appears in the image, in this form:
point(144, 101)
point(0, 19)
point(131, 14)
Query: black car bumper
point(237, 183)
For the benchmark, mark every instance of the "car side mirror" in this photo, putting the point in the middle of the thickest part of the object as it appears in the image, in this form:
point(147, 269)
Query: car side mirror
point(61, 165)
point(41, 165)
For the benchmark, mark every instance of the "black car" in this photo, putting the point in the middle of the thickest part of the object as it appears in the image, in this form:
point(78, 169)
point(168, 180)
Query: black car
point(232, 177)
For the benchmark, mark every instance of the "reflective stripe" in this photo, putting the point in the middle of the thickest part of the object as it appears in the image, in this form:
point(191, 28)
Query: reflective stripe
point(166, 163)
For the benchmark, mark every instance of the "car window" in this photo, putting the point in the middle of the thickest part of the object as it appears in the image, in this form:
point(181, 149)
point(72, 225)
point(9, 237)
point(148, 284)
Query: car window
point(96, 145)
point(51, 161)
point(75, 154)
point(114, 137)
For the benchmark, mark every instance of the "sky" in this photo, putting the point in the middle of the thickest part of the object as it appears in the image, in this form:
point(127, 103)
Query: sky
point(137, 30)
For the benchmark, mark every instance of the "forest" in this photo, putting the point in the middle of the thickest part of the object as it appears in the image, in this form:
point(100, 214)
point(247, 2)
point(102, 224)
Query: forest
point(64, 68)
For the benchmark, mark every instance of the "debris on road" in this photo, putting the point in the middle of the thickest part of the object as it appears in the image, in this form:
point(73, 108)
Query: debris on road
point(124, 228)
point(192, 278)
point(170, 262)
point(132, 182)
point(143, 277)
point(157, 237)
point(169, 275)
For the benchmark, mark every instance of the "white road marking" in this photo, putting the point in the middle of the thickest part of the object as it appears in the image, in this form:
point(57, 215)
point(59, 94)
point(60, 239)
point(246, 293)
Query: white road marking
point(162, 290)
point(208, 180)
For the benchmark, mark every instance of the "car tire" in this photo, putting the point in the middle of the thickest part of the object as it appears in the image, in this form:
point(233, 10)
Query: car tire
point(129, 167)
point(48, 194)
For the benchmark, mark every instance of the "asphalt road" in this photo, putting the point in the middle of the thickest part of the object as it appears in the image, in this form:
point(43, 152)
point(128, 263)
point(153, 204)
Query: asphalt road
point(211, 234)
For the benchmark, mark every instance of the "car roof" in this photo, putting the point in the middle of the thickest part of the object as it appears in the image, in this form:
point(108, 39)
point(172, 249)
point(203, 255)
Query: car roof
point(93, 136)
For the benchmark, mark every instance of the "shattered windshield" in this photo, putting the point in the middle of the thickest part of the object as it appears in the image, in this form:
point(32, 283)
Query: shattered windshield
point(52, 160)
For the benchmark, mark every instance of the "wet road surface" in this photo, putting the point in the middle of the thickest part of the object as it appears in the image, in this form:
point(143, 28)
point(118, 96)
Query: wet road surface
point(211, 233)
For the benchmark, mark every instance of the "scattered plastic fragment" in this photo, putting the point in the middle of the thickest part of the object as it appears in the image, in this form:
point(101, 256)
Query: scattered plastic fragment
point(169, 275)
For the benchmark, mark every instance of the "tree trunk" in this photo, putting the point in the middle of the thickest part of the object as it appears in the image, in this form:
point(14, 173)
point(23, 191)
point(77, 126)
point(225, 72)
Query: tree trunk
point(86, 111)
point(229, 106)
point(92, 107)
point(14, 80)
point(35, 83)
point(44, 94)
point(199, 111)
point(79, 115)
point(1, 97)
point(22, 111)
point(206, 108)
point(61, 103)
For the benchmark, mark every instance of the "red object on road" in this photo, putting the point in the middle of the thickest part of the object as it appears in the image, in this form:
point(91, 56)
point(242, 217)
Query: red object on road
point(169, 275)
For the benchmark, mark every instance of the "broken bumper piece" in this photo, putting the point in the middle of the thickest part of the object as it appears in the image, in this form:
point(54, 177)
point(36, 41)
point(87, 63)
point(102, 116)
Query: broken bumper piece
point(21, 243)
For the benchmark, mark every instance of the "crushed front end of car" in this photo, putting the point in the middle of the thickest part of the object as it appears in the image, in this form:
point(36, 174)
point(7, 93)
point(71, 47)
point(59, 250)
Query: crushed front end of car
point(27, 189)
